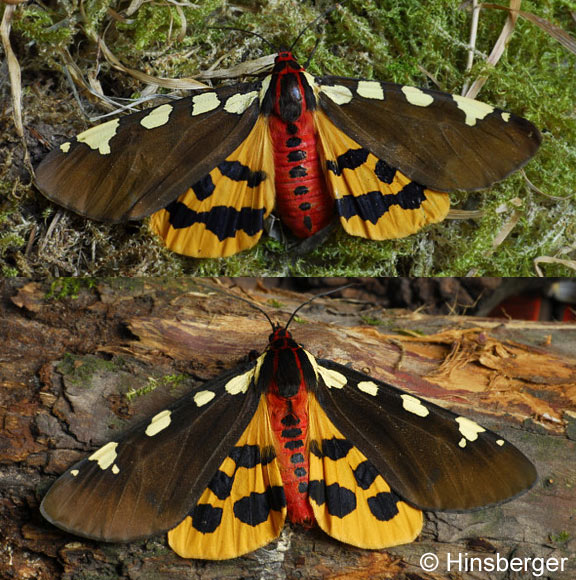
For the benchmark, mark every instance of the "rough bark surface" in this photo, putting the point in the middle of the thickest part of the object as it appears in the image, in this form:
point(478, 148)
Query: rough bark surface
point(68, 362)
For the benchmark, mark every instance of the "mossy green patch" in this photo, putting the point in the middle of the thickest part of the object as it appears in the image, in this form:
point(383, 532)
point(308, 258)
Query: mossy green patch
point(80, 369)
point(173, 381)
point(68, 287)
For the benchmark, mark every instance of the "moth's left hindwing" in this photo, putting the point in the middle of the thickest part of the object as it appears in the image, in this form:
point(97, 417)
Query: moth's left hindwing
point(244, 505)
point(130, 167)
point(149, 481)
point(432, 458)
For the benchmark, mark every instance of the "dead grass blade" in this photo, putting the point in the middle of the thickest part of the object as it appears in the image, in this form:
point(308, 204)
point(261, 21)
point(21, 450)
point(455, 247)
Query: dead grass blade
point(499, 46)
point(554, 31)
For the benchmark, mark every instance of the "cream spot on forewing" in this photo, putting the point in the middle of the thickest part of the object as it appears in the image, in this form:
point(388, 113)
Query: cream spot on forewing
point(204, 102)
point(311, 80)
point(239, 384)
point(500, 442)
point(105, 456)
point(259, 362)
point(202, 398)
point(159, 422)
point(340, 94)
point(469, 428)
point(414, 405)
point(74, 472)
point(333, 379)
point(370, 90)
point(239, 102)
point(417, 97)
point(157, 117)
point(474, 110)
point(98, 138)
point(115, 469)
point(505, 117)
point(65, 147)
point(462, 442)
point(264, 87)
point(368, 387)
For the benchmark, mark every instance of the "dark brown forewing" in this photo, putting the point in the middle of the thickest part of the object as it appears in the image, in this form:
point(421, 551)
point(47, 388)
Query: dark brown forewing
point(433, 144)
point(158, 479)
point(146, 168)
point(421, 457)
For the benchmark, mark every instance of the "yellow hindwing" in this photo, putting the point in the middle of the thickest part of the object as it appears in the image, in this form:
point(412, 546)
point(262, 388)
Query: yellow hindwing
point(223, 213)
point(244, 506)
point(351, 501)
point(374, 200)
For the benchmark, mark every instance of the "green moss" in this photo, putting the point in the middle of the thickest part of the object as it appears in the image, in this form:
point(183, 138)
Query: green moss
point(173, 381)
point(42, 27)
point(561, 538)
point(410, 42)
point(68, 287)
point(370, 320)
point(80, 369)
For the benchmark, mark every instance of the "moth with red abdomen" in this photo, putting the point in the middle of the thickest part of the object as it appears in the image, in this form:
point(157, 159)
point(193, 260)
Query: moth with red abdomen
point(210, 168)
point(286, 436)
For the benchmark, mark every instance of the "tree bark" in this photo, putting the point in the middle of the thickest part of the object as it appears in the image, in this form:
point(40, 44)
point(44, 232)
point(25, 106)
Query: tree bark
point(68, 362)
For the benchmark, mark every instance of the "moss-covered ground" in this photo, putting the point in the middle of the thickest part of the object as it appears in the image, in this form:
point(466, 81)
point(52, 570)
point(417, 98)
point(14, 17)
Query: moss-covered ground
point(409, 42)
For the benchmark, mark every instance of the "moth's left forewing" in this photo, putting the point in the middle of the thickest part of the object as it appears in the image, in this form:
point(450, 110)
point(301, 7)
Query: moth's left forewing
point(147, 481)
point(432, 458)
point(441, 141)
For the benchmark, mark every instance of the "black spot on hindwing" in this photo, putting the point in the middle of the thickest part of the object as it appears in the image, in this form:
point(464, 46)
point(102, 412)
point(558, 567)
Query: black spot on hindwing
point(365, 474)
point(221, 220)
point(237, 172)
point(384, 172)
point(373, 205)
point(206, 518)
point(246, 456)
point(255, 508)
point(383, 505)
point(340, 501)
point(352, 159)
point(335, 448)
point(221, 485)
point(204, 188)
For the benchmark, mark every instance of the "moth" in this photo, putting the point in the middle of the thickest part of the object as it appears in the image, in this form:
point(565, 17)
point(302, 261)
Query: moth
point(210, 168)
point(286, 436)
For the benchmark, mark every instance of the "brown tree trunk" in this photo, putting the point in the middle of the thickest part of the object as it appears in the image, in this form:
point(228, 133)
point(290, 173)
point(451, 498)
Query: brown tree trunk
point(67, 363)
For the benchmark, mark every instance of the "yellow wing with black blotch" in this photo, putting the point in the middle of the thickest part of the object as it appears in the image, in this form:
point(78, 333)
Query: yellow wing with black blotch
point(243, 507)
point(373, 199)
point(223, 213)
point(351, 501)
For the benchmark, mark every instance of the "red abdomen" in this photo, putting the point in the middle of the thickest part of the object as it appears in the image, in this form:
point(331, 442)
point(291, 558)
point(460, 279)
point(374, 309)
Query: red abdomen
point(302, 200)
point(289, 421)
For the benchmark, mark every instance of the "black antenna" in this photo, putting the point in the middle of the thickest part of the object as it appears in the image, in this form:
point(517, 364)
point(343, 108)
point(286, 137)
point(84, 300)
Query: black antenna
point(311, 24)
point(261, 310)
point(256, 307)
point(314, 298)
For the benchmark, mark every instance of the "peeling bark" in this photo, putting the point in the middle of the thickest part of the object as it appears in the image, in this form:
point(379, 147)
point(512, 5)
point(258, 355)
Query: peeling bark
point(67, 364)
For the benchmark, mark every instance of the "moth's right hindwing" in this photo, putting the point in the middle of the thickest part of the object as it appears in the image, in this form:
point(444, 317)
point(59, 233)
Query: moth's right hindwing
point(148, 482)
